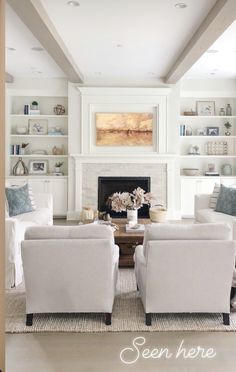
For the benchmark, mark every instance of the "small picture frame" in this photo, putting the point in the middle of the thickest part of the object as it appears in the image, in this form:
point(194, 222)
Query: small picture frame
point(205, 108)
point(38, 167)
point(38, 126)
point(201, 132)
point(212, 131)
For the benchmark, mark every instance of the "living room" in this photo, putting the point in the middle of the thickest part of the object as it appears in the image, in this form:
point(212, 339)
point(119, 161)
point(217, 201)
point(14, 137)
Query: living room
point(119, 136)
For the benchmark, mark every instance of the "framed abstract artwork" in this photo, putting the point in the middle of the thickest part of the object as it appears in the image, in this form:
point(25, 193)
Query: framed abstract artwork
point(124, 129)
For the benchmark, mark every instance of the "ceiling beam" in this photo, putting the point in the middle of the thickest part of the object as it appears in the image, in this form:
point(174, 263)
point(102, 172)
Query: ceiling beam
point(36, 19)
point(220, 17)
point(9, 78)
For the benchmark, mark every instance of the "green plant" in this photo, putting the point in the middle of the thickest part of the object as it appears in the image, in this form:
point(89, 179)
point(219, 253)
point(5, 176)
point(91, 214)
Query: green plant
point(34, 103)
point(58, 164)
point(228, 125)
point(24, 145)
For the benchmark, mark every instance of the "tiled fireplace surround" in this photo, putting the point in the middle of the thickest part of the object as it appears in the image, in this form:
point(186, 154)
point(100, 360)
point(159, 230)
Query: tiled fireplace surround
point(87, 169)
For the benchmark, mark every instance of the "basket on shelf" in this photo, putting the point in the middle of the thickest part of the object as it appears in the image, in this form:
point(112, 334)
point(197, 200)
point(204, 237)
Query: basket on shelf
point(158, 213)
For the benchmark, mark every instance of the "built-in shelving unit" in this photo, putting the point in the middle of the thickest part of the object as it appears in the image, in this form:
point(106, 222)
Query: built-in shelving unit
point(195, 123)
point(44, 143)
point(41, 147)
point(192, 185)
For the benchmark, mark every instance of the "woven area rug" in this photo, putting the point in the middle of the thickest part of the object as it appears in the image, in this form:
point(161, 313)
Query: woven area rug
point(128, 315)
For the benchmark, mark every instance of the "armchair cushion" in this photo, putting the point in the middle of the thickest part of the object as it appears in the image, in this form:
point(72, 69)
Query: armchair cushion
point(19, 200)
point(226, 202)
point(208, 231)
point(89, 231)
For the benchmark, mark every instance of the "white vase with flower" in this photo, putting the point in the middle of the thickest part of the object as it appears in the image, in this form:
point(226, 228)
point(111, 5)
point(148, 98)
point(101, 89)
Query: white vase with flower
point(130, 202)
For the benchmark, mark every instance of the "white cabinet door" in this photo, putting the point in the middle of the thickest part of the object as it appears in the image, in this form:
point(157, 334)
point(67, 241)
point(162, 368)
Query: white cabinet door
point(38, 186)
point(207, 185)
point(188, 190)
point(11, 182)
point(228, 181)
point(58, 188)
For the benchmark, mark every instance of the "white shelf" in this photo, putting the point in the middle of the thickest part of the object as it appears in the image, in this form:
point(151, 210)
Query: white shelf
point(208, 177)
point(33, 176)
point(38, 116)
point(39, 156)
point(207, 117)
point(208, 137)
point(40, 135)
point(206, 156)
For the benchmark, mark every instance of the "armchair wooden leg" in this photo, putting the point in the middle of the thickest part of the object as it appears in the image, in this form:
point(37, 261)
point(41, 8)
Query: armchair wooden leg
point(108, 318)
point(29, 319)
point(226, 319)
point(232, 293)
point(148, 318)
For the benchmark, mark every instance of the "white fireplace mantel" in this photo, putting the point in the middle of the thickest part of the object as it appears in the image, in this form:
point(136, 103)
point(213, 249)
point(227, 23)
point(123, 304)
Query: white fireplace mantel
point(79, 160)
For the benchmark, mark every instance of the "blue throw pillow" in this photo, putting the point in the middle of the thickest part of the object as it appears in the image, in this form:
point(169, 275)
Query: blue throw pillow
point(226, 202)
point(19, 200)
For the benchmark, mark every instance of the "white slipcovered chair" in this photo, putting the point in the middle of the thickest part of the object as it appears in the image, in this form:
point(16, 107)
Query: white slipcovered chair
point(14, 234)
point(204, 214)
point(185, 268)
point(70, 269)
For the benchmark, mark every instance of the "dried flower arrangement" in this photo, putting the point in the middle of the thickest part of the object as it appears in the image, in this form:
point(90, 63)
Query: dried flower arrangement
point(121, 201)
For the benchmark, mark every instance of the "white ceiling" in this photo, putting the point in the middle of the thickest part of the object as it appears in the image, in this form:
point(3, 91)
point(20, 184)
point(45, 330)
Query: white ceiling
point(152, 34)
point(23, 62)
point(221, 64)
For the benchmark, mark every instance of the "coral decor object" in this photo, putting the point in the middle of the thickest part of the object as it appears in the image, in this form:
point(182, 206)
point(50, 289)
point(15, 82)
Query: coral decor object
point(59, 110)
point(121, 202)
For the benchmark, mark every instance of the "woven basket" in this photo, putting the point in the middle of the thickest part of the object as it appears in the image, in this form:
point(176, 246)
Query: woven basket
point(157, 214)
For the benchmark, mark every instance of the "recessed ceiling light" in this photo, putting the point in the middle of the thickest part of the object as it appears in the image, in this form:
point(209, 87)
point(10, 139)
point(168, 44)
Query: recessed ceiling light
point(11, 49)
point(98, 73)
point(151, 73)
point(37, 49)
point(39, 72)
point(212, 73)
point(119, 45)
point(73, 3)
point(180, 5)
point(212, 51)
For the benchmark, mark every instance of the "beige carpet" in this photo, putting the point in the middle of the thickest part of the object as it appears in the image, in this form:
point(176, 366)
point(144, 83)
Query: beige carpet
point(128, 315)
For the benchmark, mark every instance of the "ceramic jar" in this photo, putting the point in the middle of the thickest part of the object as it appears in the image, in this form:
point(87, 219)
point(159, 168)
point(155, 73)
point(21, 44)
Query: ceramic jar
point(226, 170)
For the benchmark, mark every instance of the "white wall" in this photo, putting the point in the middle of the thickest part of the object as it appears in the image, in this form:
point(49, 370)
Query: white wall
point(85, 101)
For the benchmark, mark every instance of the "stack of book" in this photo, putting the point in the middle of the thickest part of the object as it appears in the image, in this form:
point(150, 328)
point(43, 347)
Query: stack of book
point(15, 149)
point(182, 130)
point(212, 173)
point(135, 228)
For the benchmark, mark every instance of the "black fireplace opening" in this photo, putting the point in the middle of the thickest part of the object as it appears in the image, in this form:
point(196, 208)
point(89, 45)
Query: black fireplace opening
point(109, 185)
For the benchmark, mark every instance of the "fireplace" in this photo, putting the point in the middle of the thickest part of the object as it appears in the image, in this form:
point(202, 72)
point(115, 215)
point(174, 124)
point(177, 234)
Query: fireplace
point(108, 185)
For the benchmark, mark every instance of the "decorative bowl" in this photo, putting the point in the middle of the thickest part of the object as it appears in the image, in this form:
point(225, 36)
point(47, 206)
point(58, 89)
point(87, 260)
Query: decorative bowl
point(21, 130)
point(190, 171)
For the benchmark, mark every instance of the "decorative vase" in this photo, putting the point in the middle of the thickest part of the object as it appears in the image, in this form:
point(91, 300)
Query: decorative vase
point(132, 215)
point(227, 133)
point(228, 110)
point(20, 168)
point(226, 170)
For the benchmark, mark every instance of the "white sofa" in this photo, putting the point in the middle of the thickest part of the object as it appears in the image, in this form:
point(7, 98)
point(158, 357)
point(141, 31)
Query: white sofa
point(15, 228)
point(205, 214)
point(185, 268)
point(70, 269)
